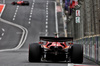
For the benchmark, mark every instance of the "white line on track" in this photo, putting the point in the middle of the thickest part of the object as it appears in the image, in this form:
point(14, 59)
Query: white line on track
point(31, 8)
point(46, 30)
point(46, 19)
point(46, 34)
point(13, 18)
point(32, 5)
point(46, 22)
point(31, 12)
point(0, 38)
point(29, 19)
point(29, 22)
point(15, 12)
point(17, 6)
point(3, 34)
point(70, 64)
point(3, 29)
point(30, 15)
point(47, 8)
point(46, 16)
point(46, 26)
point(23, 37)
point(47, 13)
point(56, 21)
point(47, 3)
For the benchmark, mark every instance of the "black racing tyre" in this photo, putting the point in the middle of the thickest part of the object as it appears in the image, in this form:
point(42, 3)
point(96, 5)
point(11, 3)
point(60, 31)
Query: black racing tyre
point(77, 53)
point(34, 52)
point(26, 3)
point(13, 3)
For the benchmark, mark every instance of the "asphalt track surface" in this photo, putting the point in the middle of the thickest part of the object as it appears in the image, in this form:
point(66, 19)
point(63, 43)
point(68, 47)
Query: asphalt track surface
point(39, 19)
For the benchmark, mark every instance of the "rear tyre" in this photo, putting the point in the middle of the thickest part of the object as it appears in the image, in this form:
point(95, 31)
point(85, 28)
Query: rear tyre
point(77, 53)
point(26, 3)
point(13, 3)
point(34, 52)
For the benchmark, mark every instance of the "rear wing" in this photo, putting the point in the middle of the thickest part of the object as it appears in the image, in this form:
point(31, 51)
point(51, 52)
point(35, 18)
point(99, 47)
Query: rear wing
point(59, 39)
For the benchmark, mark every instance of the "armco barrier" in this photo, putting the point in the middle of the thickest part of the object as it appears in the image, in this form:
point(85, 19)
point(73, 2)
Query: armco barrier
point(99, 49)
point(91, 48)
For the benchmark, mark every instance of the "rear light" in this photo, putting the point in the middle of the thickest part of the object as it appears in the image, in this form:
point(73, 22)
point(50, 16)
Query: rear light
point(40, 42)
point(70, 43)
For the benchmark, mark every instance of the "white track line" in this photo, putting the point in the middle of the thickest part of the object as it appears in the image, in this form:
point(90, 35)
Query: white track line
point(23, 37)
point(29, 19)
point(13, 18)
point(47, 13)
point(30, 16)
point(16, 12)
point(0, 38)
point(46, 22)
point(46, 26)
point(3, 29)
point(31, 12)
point(29, 22)
point(46, 19)
point(46, 16)
point(46, 30)
point(56, 20)
point(2, 34)
point(70, 64)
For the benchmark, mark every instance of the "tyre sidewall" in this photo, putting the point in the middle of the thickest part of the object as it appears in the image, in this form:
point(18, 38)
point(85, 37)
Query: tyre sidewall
point(34, 52)
point(77, 53)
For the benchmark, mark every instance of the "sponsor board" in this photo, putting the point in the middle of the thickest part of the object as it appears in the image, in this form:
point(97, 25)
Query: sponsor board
point(2, 6)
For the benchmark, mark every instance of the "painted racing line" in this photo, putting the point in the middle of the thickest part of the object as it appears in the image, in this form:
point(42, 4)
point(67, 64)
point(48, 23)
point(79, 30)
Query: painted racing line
point(23, 37)
point(2, 7)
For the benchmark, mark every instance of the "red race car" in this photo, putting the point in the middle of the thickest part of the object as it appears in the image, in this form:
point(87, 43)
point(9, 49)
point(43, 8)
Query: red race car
point(56, 49)
point(20, 3)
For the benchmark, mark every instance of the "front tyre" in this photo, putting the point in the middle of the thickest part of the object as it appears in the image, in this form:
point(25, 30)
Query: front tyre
point(77, 53)
point(34, 52)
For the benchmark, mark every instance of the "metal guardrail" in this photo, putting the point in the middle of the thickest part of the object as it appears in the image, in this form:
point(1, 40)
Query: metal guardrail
point(91, 46)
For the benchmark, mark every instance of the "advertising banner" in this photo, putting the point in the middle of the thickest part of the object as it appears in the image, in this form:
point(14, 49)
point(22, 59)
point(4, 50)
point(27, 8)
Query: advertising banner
point(90, 47)
point(2, 6)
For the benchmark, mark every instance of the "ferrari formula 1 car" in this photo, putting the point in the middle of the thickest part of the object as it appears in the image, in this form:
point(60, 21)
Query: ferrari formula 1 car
point(56, 49)
point(20, 3)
